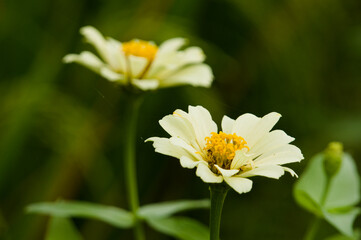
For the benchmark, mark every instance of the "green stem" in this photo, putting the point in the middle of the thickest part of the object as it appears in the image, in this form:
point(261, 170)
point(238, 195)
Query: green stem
point(218, 194)
point(313, 228)
point(130, 162)
point(315, 224)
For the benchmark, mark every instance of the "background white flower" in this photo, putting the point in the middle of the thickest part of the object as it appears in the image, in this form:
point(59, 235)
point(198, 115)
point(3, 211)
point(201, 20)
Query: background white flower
point(142, 63)
point(244, 148)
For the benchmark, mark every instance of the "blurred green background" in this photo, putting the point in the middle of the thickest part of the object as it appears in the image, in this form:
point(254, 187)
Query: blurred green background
point(61, 126)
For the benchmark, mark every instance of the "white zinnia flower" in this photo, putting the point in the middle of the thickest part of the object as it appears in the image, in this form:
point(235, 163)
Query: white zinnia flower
point(244, 148)
point(143, 64)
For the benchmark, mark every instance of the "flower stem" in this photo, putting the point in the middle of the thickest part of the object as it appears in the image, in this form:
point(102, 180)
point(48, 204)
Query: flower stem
point(218, 194)
point(313, 228)
point(315, 224)
point(130, 162)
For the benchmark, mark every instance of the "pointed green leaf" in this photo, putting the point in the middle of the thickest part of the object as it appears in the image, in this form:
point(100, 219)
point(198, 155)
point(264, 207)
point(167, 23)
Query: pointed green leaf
point(62, 228)
point(344, 186)
point(343, 192)
point(180, 228)
point(307, 193)
point(111, 215)
point(166, 209)
point(343, 221)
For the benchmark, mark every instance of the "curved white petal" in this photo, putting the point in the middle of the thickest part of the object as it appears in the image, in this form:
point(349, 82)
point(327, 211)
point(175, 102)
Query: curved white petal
point(263, 127)
point(137, 65)
point(192, 55)
point(195, 75)
point(271, 171)
point(244, 125)
point(86, 59)
point(109, 50)
point(111, 75)
point(270, 141)
point(227, 124)
point(167, 64)
point(170, 45)
point(146, 84)
point(206, 174)
point(179, 126)
point(239, 184)
point(115, 55)
point(202, 122)
point(164, 146)
point(241, 158)
point(195, 153)
point(293, 174)
point(94, 37)
point(282, 155)
point(227, 172)
point(259, 130)
point(187, 162)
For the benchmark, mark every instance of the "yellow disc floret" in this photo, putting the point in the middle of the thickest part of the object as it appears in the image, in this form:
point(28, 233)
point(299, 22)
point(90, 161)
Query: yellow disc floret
point(221, 148)
point(140, 48)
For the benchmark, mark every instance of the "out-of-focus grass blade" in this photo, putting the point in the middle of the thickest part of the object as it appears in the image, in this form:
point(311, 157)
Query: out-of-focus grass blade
point(180, 227)
point(166, 209)
point(112, 215)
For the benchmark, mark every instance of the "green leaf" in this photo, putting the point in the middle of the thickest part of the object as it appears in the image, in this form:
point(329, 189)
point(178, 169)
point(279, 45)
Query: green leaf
point(166, 209)
point(343, 221)
point(62, 228)
point(343, 193)
point(304, 200)
point(180, 227)
point(111, 215)
point(306, 192)
point(344, 186)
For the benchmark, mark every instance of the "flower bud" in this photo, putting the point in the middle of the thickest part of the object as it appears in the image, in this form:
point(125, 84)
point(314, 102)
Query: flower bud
point(333, 158)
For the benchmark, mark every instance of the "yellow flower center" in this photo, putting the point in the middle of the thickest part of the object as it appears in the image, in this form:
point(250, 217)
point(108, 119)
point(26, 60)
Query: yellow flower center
point(221, 148)
point(140, 48)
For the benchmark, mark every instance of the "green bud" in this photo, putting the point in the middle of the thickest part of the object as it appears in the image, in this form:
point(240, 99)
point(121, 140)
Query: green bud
point(333, 158)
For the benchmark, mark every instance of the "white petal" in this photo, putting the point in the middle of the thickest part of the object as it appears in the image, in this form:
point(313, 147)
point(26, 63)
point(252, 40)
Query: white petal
point(206, 174)
point(195, 75)
point(271, 141)
point(244, 125)
point(115, 55)
point(241, 158)
point(192, 55)
point(146, 84)
point(94, 37)
point(171, 45)
point(227, 172)
point(239, 184)
point(167, 64)
point(271, 171)
point(86, 59)
point(186, 162)
point(137, 65)
point(202, 123)
point(195, 153)
point(293, 174)
point(179, 126)
point(227, 124)
point(111, 75)
point(282, 155)
point(164, 146)
point(263, 126)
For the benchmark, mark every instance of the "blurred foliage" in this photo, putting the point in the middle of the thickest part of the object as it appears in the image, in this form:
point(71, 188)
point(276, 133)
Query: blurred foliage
point(61, 125)
point(330, 197)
